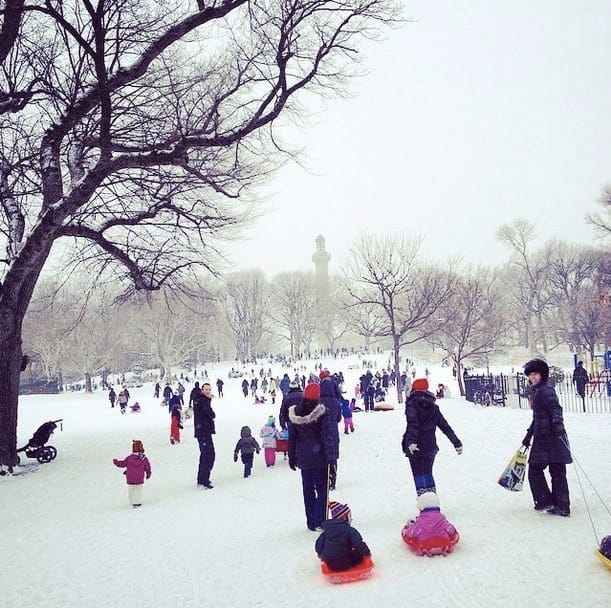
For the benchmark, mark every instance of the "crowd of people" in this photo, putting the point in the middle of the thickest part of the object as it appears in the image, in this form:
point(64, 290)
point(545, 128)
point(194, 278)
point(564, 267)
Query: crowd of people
point(311, 412)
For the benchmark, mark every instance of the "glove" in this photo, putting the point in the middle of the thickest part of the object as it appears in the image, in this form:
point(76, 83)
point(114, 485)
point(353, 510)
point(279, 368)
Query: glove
point(114, 461)
point(459, 450)
point(558, 427)
point(180, 426)
point(257, 451)
point(292, 466)
point(235, 458)
point(412, 447)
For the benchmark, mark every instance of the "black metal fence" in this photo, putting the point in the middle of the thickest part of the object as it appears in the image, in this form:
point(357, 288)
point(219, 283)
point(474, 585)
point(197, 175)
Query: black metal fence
point(512, 390)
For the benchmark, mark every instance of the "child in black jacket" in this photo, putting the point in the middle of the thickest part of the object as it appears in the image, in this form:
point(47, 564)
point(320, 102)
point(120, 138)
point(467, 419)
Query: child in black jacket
point(248, 445)
point(340, 545)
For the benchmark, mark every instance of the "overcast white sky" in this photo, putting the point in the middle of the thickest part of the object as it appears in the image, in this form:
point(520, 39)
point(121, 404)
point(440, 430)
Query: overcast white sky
point(476, 113)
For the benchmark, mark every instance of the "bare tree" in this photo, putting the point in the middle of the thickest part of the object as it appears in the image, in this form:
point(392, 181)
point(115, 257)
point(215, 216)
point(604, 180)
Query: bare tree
point(244, 301)
point(294, 308)
point(529, 279)
point(602, 221)
point(386, 274)
point(170, 329)
point(472, 320)
point(137, 128)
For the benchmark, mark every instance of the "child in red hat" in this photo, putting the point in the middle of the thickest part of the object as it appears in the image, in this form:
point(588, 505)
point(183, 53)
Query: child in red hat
point(137, 467)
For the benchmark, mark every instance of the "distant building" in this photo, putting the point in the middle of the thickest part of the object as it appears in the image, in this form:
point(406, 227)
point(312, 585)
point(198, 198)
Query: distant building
point(321, 261)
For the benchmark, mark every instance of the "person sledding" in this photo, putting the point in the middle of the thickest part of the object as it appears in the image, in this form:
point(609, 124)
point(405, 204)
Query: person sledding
point(430, 533)
point(340, 546)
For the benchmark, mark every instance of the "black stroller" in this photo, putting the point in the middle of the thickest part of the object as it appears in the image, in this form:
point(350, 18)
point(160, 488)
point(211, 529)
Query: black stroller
point(36, 448)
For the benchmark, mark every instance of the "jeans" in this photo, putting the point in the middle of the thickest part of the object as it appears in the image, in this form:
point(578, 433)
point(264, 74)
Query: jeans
point(422, 470)
point(314, 486)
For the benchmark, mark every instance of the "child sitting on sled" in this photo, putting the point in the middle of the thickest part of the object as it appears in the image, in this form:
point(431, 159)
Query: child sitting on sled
point(340, 545)
point(430, 523)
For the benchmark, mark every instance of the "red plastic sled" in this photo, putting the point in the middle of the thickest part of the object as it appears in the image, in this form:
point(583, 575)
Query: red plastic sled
point(438, 545)
point(603, 559)
point(356, 573)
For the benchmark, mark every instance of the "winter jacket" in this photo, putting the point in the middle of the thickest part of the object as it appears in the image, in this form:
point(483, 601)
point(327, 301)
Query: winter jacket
point(423, 417)
point(137, 467)
point(328, 398)
point(203, 417)
point(549, 445)
point(430, 523)
point(340, 545)
point(247, 444)
point(580, 378)
point(312, 436)
point(293, 397)
point(346, 409)
point(284, 384)
point(269, 434)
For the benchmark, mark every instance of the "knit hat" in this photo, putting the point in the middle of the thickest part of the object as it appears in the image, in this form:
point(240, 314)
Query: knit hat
point(420, 384)
point(271, 421)
point(324, 373)
point(137, 446)
point(428, 500)
point(312, 392)
point(294, 383)
point(340, 511)
point(539, 366)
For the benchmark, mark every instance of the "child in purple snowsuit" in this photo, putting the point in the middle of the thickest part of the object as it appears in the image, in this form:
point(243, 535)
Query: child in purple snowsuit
point(137, 467)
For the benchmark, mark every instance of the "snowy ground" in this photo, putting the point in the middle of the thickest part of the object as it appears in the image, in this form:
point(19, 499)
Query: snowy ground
point(70, 539)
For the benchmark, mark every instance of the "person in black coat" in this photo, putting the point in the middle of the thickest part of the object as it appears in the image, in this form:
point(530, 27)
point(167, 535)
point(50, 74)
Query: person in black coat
point(203, 425)
point(580, 379)
point(550, 444)
point(293, 397)
point(312, 448)
point(328, 397)
point(419, 442)
point(340, 545)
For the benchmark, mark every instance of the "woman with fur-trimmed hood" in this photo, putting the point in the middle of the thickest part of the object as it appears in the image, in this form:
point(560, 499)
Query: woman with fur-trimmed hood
point(313, 446)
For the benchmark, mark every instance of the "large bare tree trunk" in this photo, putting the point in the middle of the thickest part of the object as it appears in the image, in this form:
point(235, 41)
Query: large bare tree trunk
point(10, 364)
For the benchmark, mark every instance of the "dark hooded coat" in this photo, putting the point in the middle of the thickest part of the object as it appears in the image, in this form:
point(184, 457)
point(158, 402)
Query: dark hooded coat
point(313, 442)
point(423, 418)
point(550, 442)
point(340, 545)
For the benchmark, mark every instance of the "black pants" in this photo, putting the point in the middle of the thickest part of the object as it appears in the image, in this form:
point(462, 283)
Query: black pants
point(247, 460)
point(206, 460)
point(559, 494)
point(368, 399)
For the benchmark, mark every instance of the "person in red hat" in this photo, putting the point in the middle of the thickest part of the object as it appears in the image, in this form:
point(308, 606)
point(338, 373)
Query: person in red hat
point(137, 467)
point(419, 442)
point(313, 446)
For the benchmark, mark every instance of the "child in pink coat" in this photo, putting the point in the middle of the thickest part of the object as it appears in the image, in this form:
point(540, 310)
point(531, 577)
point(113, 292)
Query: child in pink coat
point(269, 434)
point(431, 522)
point(137, 467)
